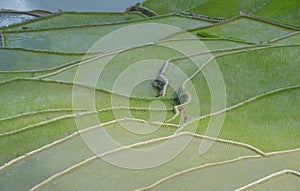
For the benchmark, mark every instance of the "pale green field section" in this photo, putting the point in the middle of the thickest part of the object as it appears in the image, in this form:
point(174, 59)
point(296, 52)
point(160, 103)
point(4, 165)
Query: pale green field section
point(255, 72)
point(288, 182)
point(233, 175)
point(72, 19)
point(19, 96)
point(31, 132)
point(39, 135)
point(100, 174)
point(81, 39)
point(171, 6)
point(246, 29)
point(130, 58)
point(287, 12)
point(246, 74)
point(17, 122)
point(35, 168)
point(25, 60)
point(273, 116)
point(293, 39)
point(232, 8)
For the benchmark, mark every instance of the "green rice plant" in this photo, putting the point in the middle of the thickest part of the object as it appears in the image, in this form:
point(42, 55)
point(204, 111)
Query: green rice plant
point(206, 35)
point(171, 6)
point(71, 19)
point(250, 73)
point(238, 173)
point(232, 8)
point(105, 176)
point(80, 39)
point(22, 96)
point(269, 123)
point(6, 76)
point(40, 166)
point(26, 60)
point(217, 44)
point(246, 74)
point(16, 142)
point(18, 122)
point(247, 29)
point(254, 72)
point(290, 40)
point(120, 63)
point(287, 12)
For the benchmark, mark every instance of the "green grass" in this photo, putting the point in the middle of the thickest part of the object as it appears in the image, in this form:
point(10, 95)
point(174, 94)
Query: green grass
point(55, 40)
point(125, 60)
point(292, 40)
point(122, 62)
point(22, 96)
point(247, 29)
point(287, 12)
point(18, 144)
point(273, 116)
point(232, 8)
point(171, 6)
point(216, 44)
point(254, 72)
point(71, 19)
point(13, 124)
point(60, 156)
point(100, 174)
point(22, 60)
point(27, 173)
point(238, 174)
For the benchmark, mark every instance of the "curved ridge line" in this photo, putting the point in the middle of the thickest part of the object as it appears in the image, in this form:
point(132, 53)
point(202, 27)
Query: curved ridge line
point(268, 178)
point(284, 37)
point(110, 53)
point(65, 110)
point(244, 103)
point(142, 20)
point(40, 112)
point(10, 163)
point(80, 60)
point(53, 15)
point(204, 65)
point(72, 84)
point(175, 175)
point(184, 172)
point(132, 146)
point(44, 123)
point(269, 93)
point(73, 115)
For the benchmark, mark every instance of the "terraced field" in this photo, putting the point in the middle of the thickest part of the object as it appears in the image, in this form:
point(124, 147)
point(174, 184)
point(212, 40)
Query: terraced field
point(271, 9)
point(227, 117)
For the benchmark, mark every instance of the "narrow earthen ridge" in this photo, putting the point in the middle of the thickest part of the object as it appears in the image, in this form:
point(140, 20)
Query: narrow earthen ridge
point(78, 165)
point(178, 174)
point(204, 17)
point(284, 37)
point(77, 133)
point(268, 178)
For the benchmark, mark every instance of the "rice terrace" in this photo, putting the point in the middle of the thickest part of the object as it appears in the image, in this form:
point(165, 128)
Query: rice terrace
point(163, 95)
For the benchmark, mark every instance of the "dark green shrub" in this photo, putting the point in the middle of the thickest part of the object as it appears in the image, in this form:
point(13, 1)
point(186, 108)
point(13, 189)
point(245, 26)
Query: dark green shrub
point(206, 35)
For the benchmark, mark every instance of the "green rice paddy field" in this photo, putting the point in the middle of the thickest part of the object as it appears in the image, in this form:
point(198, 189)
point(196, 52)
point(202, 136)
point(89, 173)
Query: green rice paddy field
point(46, 135)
